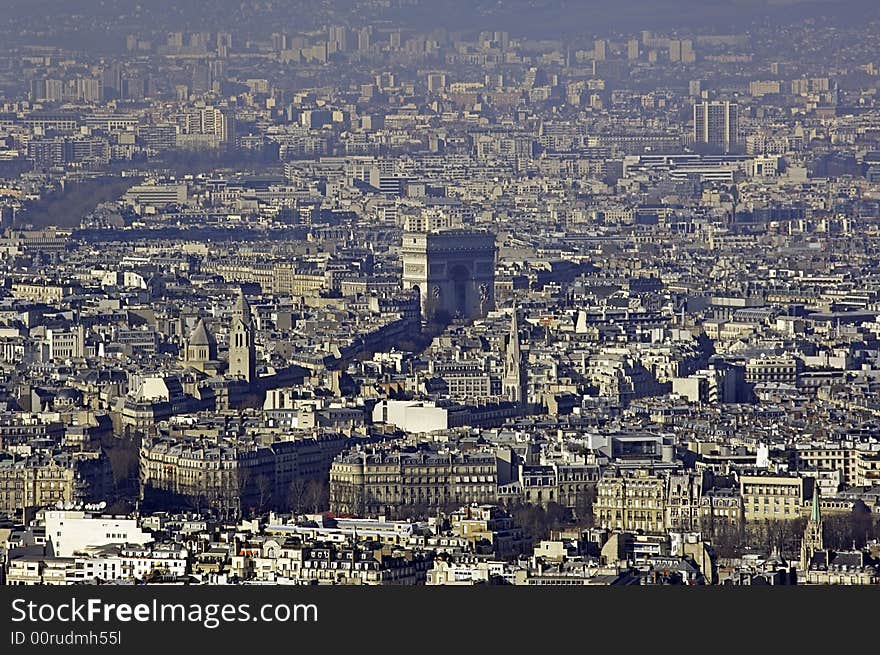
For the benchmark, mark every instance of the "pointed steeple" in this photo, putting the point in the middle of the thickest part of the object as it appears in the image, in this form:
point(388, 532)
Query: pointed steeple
point(201, 347)
point(242, 309)
point(200, 335)
point(513, 374)
point(814, 539)
point(513, 348)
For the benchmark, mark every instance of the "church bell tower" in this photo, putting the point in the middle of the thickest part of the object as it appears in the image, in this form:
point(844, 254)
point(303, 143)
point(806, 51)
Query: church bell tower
point(242, 353)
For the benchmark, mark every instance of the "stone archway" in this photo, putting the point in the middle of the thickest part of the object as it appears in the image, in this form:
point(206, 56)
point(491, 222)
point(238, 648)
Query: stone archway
point(459, 275)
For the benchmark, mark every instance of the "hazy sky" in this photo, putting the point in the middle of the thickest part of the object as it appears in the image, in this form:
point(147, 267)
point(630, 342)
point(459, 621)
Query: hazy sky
point(539, 18)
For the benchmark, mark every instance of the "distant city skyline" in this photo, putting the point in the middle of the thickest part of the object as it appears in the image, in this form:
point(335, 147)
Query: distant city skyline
point(373, 293)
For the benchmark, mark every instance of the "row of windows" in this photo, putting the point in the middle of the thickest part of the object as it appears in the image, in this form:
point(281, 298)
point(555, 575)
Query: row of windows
point(786, 490)
point(776, 501)
point(776, 510)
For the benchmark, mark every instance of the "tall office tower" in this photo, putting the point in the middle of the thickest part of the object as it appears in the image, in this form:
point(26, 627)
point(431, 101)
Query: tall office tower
point(600, 49)
point(88, 89)
point(453, 271)
point(279, 41)
point(338, 37)
point(394, 39)
point(111, 82)
point(220, 123)
point(242, 352)
point(674, 50)
point(364, 39)
point(134, 87)
point(695, 88)
point(215, 122)
point(717, 124)
point(40, 90)
point(688, 56)
point(224, 43)
point(632, 49)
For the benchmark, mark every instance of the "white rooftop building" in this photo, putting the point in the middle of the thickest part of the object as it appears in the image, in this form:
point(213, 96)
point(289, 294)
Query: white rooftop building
point(73, 531)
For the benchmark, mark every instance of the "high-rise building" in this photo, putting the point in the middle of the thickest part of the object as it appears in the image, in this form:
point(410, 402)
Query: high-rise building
point(338, 38)
point(218, 123)
point(363, 39)
point(279, 41)
point(717, 124)
point(600, 49)
point(688, 56)
point(111, 82)
point(88, 89)
point(632, 49)
point(47, 90)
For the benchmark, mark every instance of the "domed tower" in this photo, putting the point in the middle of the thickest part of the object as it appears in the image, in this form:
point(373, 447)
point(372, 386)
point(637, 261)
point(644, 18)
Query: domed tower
point(201, 347)
point(242, 353)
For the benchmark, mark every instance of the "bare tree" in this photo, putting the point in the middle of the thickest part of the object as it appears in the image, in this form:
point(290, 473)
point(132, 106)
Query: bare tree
point(296, 495)
point(264, 491)
point(245, 482)
point(316, 495)
point(583, 507)
point(727, 537)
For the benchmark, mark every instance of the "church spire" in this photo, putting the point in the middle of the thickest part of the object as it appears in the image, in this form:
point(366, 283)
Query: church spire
point(813, 540)
point(242, 308)
point(513, 374)
point(513, 347)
